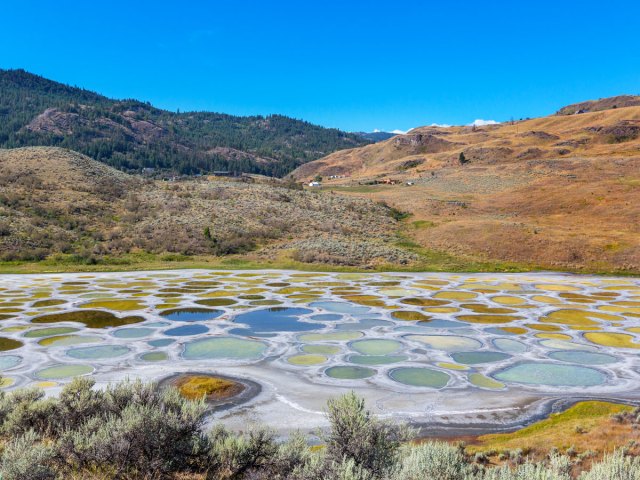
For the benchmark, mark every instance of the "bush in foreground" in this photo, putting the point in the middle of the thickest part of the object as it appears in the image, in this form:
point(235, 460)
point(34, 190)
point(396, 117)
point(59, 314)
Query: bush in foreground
point(133, 430)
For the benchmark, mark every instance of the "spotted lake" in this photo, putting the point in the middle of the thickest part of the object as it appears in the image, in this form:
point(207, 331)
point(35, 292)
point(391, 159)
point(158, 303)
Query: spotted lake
point(447, 349)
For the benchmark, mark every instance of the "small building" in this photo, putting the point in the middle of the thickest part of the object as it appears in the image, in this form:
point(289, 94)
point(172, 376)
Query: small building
point(315, 184)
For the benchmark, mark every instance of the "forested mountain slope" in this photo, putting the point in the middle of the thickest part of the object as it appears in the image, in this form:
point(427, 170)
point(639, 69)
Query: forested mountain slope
point(131, 135)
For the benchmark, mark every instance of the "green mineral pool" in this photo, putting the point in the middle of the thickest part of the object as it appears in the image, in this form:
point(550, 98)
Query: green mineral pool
point(223, 347)
point(46, 332)
point(69, 340)
point(420, 377)
point(481, 381)
point(133, 332)
point(584, 358)
point(307, 359)
point(57, 372)
point(154, 356)
point(98, 353)
point(551, 374)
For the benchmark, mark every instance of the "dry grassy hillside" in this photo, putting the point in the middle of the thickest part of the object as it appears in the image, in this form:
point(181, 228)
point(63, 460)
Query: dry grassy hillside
point(58, 202)
point(556, 192)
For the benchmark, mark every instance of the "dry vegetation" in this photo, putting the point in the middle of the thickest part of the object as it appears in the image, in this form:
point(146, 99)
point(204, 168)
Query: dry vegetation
point(559, 192)
point(586, 432)
point(57, 202)
point(137, 431)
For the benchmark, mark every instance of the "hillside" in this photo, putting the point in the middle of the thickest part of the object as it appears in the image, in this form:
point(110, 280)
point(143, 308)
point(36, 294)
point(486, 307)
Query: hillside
point(58, 202)
point(559, 192)
point(131, 135)
point(602, 104)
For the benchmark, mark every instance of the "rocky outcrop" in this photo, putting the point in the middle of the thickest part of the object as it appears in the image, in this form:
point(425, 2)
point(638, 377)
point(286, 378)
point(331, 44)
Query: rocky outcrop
point(54, 121)
point(422, 143)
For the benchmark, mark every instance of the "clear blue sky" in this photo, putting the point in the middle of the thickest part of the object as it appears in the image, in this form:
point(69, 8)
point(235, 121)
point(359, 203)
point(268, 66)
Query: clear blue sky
point(355, 65)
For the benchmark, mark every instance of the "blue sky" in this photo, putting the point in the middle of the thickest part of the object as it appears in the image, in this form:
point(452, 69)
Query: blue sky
point(355, 65)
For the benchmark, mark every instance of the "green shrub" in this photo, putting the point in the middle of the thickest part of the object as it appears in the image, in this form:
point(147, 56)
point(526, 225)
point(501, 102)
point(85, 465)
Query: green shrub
point(24, 457)
point(357, 435)
point(558, 468)
point(146, 437)
point(616, 466)
point(432, 460)
point(237, 456)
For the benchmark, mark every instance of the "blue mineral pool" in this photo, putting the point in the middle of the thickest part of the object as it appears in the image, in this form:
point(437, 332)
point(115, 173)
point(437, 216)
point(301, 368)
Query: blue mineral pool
point(341, 307)
point(551, 374)
point(161, 342)
point(191, 314)
point(9, 361)
point(133, 332)
point(364, 324)
point(509, 345)
point(443, 324)
point(326, 317)
point(186, 330)
point(276, 320)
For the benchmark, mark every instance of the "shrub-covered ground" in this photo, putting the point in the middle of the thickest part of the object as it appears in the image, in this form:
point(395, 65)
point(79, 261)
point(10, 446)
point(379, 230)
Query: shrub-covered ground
point(133, 430)
point(62, 206)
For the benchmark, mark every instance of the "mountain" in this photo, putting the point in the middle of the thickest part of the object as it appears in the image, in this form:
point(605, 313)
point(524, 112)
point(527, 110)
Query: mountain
point(615, 131)
point(561, 191)
point(376, 136)
point(131, 135)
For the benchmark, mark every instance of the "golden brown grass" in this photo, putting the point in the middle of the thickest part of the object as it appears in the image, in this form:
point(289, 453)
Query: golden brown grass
point(587, 426)
point(551, 192)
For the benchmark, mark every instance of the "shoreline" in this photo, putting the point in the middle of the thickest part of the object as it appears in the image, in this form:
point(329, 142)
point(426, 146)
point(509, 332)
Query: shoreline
point(20, 269)
point(539, 410)
point(548, 407)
